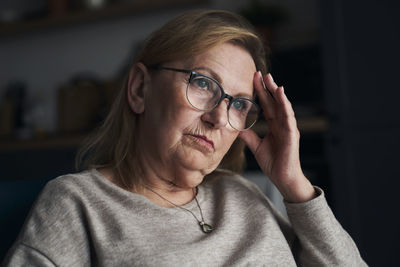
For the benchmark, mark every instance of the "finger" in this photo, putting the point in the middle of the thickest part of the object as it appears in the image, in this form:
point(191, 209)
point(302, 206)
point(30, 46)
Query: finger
point(251, 139)
point(286, 106)
point(265, 87)
point(286, 112)
point(270, 83)
point(267, 102)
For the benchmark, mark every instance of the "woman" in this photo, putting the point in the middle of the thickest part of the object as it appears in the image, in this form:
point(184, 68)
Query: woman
point(160, 188)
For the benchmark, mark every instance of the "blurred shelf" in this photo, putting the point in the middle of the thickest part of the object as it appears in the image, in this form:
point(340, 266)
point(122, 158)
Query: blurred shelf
point(110, 11)
point(318, 124)
point(55, 142)
point(306, 125)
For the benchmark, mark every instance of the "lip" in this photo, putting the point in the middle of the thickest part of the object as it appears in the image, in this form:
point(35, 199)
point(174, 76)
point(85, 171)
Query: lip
point(204, 140)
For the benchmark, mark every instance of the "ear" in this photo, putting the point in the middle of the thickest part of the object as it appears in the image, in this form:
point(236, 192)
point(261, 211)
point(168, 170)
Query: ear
point(137, 84)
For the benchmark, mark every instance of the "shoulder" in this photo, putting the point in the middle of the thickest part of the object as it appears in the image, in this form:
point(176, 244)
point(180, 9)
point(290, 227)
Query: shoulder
point(63, 188)
point(57, 220)
point(62, 195)
point(234, 190)
point(234, 184)
point(233, 179)
point(63, 201)
point(72, 181)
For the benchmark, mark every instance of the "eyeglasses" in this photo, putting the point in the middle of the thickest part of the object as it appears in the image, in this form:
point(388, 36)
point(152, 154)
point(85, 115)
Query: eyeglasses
point(205, 93)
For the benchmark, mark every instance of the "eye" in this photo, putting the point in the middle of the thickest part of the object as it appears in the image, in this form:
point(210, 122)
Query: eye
point(202, 83)
point(240, 105)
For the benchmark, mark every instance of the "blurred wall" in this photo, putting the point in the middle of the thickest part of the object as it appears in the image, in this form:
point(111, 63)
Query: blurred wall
point(47, 58)
point(361, 41)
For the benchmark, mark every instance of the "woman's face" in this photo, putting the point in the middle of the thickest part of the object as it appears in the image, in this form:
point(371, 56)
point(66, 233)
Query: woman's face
point(180, 143)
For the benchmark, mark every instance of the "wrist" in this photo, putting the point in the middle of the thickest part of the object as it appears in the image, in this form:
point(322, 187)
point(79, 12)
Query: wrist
point(298, 190)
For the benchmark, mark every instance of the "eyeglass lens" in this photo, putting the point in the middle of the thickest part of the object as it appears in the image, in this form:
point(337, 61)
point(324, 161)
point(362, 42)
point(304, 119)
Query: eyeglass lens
point(204, 94)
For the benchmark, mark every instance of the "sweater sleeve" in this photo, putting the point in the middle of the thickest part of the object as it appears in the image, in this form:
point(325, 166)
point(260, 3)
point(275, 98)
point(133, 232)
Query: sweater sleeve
point(53, 233)
point(24, 255)
point(321, 240)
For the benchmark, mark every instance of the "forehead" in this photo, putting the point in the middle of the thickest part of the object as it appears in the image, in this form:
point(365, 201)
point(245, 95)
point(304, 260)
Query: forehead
point(230, 64)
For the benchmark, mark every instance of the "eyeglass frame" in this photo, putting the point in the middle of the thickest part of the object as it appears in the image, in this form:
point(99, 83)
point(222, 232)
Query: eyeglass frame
point(223, 94)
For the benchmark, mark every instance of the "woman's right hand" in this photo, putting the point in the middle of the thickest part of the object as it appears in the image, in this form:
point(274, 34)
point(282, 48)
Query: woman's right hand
point(277, 153)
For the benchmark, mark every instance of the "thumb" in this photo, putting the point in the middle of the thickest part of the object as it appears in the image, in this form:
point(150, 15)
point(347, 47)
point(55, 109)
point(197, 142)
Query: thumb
point(251, 139)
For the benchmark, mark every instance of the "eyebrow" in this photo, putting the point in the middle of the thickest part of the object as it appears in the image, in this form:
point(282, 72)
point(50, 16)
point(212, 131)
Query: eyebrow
point(214, 75)
point(210, 71)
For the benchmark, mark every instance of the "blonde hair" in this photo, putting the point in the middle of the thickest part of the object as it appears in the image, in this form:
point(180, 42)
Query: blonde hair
point(193, 32)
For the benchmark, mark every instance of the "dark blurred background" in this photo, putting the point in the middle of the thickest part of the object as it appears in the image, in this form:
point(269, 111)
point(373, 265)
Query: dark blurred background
point(62, 60)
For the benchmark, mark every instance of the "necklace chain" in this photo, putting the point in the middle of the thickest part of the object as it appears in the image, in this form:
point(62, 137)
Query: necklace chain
point(206, 228)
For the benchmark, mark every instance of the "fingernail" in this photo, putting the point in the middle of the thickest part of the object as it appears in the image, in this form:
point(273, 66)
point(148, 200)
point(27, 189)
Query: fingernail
point(262, 80)
point(283, 90)
point(270, 75)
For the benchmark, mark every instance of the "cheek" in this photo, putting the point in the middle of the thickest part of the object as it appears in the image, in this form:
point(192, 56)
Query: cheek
point(165, 103)
point(228, 137)
point(176, 114)
point(169, 114)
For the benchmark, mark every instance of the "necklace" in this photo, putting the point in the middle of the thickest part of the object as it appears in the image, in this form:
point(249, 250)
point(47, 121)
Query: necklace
point(206, 228)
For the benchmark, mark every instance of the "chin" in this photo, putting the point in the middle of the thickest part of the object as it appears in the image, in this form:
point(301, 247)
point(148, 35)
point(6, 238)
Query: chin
point(192, 169)
point(190, 183)
point(197, 161)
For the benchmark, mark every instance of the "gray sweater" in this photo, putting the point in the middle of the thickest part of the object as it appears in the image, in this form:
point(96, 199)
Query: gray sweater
point(85, 220)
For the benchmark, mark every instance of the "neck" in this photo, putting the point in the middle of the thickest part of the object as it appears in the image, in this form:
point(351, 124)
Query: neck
point(165, 201)
point(178, 196)
point(176, 185)
point(170, 197)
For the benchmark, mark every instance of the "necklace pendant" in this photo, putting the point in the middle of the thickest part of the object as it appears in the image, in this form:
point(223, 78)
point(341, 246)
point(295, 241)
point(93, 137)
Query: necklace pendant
point(206, 228)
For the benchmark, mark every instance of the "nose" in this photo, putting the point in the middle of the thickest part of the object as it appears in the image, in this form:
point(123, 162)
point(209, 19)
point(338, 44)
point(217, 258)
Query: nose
point(218, 117)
